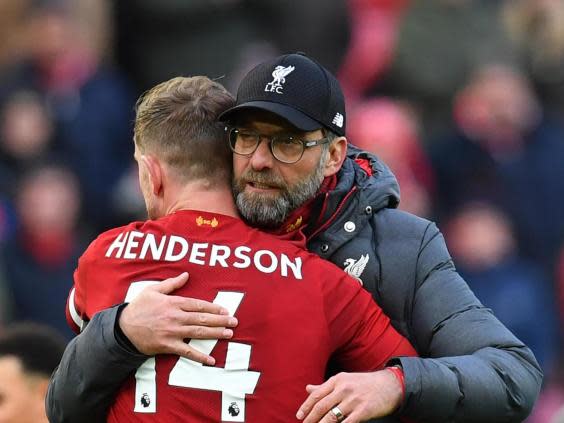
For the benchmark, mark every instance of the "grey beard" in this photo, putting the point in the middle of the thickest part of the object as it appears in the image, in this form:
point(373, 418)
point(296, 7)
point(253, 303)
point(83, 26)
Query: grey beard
point(271, 212)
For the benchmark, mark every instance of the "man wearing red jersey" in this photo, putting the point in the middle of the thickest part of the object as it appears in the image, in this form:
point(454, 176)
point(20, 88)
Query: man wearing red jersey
point(296, 312)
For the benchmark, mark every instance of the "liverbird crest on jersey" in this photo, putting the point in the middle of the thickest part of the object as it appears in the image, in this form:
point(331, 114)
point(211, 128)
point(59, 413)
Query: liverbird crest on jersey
point(279, 74)
point(356, 267)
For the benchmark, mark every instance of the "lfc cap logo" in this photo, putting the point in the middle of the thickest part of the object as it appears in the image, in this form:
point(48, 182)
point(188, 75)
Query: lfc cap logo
point(279, 77)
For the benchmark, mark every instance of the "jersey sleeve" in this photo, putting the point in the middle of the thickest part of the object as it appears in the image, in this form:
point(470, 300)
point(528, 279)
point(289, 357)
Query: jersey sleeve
point(73, 309)
point(362, 334)
point(76, 301)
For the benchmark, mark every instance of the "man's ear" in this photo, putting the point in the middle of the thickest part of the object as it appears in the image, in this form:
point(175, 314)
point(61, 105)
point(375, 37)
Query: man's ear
point(337, 154)
point(155, 171)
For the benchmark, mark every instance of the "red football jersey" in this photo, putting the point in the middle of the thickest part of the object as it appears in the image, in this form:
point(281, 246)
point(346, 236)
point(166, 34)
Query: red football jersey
point(296, 311)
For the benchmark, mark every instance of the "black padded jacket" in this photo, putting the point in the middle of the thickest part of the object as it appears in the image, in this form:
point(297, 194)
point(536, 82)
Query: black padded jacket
point(475, 369)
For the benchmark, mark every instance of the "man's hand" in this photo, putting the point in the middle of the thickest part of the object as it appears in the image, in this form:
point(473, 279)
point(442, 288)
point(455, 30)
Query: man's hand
point(359, 396)
point(158, 323)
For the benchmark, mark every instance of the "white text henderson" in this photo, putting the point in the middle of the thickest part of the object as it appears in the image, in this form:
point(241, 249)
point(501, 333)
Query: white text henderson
point(136, 245)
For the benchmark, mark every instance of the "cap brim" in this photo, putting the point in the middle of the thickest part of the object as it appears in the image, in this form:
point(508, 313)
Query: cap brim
point(293, 116)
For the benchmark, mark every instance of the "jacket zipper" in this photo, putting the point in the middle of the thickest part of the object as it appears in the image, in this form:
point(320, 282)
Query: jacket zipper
point(334, 215)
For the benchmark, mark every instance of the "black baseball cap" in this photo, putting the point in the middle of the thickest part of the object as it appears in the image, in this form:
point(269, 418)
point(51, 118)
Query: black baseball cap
point(296, 88)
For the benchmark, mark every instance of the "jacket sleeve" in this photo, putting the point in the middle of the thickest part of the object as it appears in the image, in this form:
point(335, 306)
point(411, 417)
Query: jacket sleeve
point(92, 369)
point(475, 369)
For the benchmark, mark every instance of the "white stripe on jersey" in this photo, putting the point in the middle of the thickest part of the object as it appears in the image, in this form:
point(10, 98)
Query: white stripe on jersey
point(74, 314)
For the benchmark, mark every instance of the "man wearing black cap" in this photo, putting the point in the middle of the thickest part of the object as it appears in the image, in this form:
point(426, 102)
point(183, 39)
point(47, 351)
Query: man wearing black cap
point(347, 206)
point(293, 170)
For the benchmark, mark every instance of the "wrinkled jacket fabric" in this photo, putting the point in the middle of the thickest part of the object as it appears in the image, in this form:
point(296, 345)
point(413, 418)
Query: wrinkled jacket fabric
point(474, 369)
point(486, 374)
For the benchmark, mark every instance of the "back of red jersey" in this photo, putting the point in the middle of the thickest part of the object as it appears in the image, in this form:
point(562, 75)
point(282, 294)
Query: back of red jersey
point(295, 312)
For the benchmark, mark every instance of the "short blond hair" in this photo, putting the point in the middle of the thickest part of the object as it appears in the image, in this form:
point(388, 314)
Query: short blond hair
point(177, 121)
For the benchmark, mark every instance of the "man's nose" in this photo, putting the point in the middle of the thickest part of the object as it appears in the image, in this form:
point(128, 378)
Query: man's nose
point(262, 157)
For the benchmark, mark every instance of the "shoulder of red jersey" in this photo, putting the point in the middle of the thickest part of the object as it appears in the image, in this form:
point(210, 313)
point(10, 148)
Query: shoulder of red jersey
point(88, 272)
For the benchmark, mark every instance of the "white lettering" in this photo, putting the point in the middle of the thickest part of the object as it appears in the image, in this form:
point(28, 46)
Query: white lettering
point(173, 241)
point(218, 255)
point(151, 243)
point(131, 244)
point(138, 245)
point(239, 253)
point(295, 266)
point(118, 243)
point(260, 266)
point(197, 252)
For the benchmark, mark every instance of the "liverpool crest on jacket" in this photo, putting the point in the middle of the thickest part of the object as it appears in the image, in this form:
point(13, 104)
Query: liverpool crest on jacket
point(356, 267)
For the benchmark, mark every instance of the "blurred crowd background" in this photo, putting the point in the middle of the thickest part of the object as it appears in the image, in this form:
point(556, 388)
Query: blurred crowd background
point(463, 99)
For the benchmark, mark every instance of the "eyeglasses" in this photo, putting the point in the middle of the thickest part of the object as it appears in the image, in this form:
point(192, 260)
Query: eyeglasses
point(285, 148)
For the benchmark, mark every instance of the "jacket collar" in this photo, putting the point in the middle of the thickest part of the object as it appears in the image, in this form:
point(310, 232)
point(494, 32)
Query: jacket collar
point(363, 178)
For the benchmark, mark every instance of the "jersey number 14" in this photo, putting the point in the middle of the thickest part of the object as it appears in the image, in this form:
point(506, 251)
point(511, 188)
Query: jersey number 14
point(234, 381)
